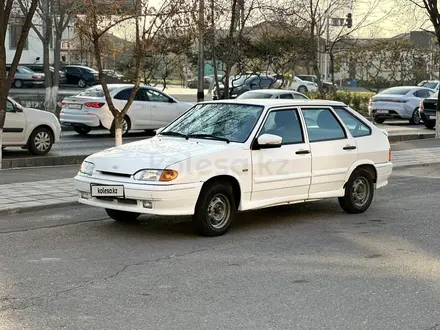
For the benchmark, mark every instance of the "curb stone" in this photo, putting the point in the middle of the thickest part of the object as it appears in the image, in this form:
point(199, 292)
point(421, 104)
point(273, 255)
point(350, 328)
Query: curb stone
point(19, 210)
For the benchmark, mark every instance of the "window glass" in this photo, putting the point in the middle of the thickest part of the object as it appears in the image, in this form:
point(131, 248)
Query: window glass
point(15, 33)
point(72, 70)
point(10, 107)
point(322, 125)
point(284, 123)
point(286, 96)
point(155, 96)
point(301, 96)
point(356, 127)
point(254, 95)
point(232, 121)
point(124, 94)
point(95, 91)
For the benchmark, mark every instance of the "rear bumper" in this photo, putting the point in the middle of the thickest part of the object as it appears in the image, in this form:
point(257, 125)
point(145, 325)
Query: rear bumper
point(178, 199)
point(80, 119)
point(384, 171)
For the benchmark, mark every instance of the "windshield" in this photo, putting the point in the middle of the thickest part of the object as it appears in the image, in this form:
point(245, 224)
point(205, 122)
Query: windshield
point(396, 91)
point(224, 120)
point(254, 95)
point(95, 91)
point(431, 85)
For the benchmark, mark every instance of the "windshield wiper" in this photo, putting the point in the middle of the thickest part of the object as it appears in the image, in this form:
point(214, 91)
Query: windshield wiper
point(171, 133)
point(209, 136)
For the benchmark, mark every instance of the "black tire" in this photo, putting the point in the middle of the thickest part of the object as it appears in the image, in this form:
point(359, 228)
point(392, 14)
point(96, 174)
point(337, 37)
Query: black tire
point(18, 83)
point(41, 141)
point(124, 133)
point(429, 124)
point(302, 89)
point(81, 130)
point(220, 197)
point(379, 120)
point(415, 118)
point(82, 83)
point(360, 179)
point(122, 216)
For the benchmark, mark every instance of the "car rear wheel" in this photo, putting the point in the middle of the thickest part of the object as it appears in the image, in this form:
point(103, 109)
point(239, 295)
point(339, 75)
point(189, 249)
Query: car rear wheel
point(82, 130)
point(359, 192)
point(302, 89)
point(415, 118)
point(126, 125)
point(122, 216)
point(18, 83)
point(215, 210)
point(82, 83)
point(429, 124)
point(41, 141)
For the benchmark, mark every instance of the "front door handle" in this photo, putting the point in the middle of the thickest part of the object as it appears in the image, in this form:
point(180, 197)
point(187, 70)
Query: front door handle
point(349, 148)
point(302, 152)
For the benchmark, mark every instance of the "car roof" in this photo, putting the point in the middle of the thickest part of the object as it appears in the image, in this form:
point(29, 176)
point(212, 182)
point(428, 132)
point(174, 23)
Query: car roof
point(278, 102)
point(117, 86)
point(274, 91)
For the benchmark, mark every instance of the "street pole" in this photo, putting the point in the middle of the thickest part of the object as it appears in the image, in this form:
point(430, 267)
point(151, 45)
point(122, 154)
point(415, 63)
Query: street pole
point(201, 61)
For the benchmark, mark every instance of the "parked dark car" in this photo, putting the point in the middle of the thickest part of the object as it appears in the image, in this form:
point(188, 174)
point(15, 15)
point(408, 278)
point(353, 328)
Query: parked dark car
point(80, 75)
point(241, 84)
point(26, 77)
point(39, 68)
point(428, 108)
point(327, 86)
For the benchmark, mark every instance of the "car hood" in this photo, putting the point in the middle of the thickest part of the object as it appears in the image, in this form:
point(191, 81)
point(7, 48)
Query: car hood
point(159, 152)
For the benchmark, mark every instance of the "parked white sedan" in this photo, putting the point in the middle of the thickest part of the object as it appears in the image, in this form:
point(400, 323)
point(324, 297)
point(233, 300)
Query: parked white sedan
point(303, 86)
point(151, 109)
point(223, 157)
point(35, 130)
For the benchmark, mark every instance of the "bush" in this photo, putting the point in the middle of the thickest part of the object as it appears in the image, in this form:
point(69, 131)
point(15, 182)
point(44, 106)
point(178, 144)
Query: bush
point(356, 100)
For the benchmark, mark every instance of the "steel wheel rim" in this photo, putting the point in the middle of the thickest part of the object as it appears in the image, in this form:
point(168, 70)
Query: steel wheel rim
point(416, 117)
point(42, 141)
point(219, 211)
point(124, 126)
point(82, 83)
point(360, 191)
point(18, 83)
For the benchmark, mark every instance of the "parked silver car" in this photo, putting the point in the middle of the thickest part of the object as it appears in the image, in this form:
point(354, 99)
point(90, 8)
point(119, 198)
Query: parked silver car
point(26, 77)
point(398, 103)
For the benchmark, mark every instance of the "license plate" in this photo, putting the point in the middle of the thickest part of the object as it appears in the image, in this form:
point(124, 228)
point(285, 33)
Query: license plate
point(432, 117)
point(107, 191)
point(75, 106)
point(382, 111)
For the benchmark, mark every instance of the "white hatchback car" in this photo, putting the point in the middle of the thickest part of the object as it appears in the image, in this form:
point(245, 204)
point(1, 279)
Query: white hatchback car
point(223, 157)
point(32, 129)
point(151, 109)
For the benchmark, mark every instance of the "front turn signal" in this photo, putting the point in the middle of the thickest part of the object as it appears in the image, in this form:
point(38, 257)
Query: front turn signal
point(168, 175)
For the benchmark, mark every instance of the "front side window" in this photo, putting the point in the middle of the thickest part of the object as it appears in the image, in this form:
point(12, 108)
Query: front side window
point(234, 122)
point(286, 124)
point(322, 125)
point(356, 127)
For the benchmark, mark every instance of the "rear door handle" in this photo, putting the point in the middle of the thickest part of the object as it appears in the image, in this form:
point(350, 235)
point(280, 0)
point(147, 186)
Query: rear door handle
point(302, 152)
point(349, 148)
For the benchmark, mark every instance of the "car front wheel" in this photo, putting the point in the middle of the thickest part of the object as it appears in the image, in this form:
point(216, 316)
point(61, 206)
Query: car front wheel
point(359, 192)
point(302, 89)
point(415, 118)
point(430, 124)
point(215, 210)
point(82, 83)
point(40, 141)
point(122, 216)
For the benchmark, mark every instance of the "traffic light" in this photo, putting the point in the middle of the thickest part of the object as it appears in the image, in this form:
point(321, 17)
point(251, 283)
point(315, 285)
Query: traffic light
point(349, 21)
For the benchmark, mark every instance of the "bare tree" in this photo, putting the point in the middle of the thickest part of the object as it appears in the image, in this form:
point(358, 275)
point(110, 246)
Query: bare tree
point(430, 7)
point(147, 21)
point(6, 78)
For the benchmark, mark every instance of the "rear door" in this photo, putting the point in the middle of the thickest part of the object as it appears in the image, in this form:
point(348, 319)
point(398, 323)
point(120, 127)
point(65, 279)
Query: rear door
point(15, 126)
point(333, 149)
point(139, 112)
point(163, 109)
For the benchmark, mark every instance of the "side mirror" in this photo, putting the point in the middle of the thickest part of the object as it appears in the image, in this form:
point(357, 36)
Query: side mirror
point(269, 141)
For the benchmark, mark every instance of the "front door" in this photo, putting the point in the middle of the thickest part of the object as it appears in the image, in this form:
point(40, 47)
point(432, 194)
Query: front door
point(15, 126)
point(282, 174)
point(163, 109)
point(333, 150)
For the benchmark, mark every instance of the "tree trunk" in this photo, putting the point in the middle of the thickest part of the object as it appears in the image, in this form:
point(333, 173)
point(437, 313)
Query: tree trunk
point(230, 52)
point(118, 130)
point(437, 120)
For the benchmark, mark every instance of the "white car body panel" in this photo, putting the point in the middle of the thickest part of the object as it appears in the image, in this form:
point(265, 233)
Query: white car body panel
point(20, 125)
point(297, 82)
point(303, 177)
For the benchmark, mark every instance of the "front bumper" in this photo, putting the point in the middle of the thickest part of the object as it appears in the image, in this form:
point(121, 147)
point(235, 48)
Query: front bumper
point(179, 199)
point(428, 115)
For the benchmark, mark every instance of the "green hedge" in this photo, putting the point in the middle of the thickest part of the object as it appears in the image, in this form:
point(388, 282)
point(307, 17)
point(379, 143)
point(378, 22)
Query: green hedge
point(356, 100)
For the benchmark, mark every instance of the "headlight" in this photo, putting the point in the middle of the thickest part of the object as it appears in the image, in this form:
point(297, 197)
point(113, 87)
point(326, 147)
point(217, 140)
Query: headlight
point(87, 168)
point(155, 175)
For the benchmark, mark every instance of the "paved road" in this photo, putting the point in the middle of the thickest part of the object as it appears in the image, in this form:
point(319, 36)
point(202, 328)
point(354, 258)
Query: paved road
point(307, 266)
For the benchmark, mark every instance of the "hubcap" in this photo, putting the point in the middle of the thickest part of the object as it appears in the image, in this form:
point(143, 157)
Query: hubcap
point(416, 117)
point(42, 141)
point(124, 126)
point(360, 191)
point(82, 83)
point(219, 211)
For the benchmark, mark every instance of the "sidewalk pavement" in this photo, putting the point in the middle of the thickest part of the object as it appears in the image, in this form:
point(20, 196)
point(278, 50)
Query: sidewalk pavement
point(31, 196)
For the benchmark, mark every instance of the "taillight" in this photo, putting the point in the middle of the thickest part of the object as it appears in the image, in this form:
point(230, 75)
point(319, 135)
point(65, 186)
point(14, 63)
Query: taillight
point(94, 104)
point(63, 102)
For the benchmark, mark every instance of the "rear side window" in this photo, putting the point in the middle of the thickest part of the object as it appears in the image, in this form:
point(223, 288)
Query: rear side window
point(286, 96)
point(322, 125)
point(125, 94)
point(422, 93)
point(356, 127)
